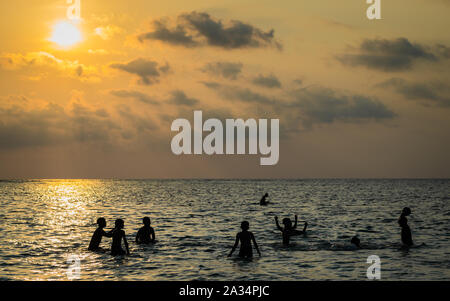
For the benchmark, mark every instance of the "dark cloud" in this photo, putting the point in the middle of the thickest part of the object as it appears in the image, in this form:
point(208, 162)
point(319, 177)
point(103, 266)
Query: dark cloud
point(148, 71)
point(247, 95)
point(179, 98)
point(225, 69)
point(432, 93)
point(175, 36)
point(198, 29)
point(234, 93)
point(77, 125)
point(336, 24)
point(308, 106)
point(138, 123)
point(388, 55)
point(269, 81)
point(135, 95)
point(207, 113)
point(443, 50)
point(53, 125)
point(211, 85)
point(323, 105)
point(298, 82)
point(102, 113)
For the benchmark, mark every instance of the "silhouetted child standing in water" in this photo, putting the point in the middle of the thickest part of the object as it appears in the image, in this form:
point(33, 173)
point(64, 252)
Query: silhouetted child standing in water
point(96, 239)
point(118, 235)
point(245, 237)
point(406, 231)
point(288, 229)
point(146, 234)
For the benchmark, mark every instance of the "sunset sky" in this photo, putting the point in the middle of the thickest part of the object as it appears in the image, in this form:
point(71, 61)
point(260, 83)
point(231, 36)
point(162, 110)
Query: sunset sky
point(355, 98)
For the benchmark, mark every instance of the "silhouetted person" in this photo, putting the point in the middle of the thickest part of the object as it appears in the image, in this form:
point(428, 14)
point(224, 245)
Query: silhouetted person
point(356, 242)
point(246, 238)
point(288, 229)
point(263, 201)
point(146, 234)
point(96, 239)
point(406, 231)
point(118, 235)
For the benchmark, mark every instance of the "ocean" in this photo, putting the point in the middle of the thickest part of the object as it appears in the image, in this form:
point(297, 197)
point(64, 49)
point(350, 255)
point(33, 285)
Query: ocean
point(45, 222)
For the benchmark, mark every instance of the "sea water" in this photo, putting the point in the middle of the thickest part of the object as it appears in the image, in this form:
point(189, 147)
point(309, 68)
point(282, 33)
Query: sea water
point(45, 222)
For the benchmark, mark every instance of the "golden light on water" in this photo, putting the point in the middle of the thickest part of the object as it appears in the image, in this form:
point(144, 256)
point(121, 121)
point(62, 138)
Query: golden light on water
point(66, 34)
point(65, 203)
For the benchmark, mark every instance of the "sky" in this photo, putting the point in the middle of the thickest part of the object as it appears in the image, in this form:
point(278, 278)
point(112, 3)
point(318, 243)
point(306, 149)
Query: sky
point(356, 98)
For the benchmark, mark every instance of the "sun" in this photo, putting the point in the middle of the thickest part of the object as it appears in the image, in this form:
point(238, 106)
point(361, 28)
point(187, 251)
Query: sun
point(66, 34)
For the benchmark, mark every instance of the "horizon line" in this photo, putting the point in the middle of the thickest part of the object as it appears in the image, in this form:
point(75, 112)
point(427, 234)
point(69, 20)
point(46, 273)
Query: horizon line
point(231, 179)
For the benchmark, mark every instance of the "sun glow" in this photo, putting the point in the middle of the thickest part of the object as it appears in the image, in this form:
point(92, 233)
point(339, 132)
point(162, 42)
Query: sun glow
point(66, 34)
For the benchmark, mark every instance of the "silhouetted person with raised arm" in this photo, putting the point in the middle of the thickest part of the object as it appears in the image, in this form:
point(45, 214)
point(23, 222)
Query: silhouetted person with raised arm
point(263, 201)
point(96, 239)
point(406, 231)
point(246, 238)
point(118, 235)
point(289, 229)
point(146, 234)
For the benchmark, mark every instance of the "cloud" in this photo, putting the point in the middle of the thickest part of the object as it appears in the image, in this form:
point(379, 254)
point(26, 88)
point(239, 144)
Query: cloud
point(247, 95)
point(309, 106)
point(443, 50)
point(135, 95)
point(179, 98)
point(435, 93)
point(148, 71)
point(98, 51)
point(41, 59)
point(199, 29)
point(233, 93)
point(107, 32)
point(225, 69)
point(337, 24)
point(211, 85)
point(269, 81)
point(323, 105)
point(53, 125)
point(138, 123)
point(298, 82)
point(388, 55)
point(176, 36)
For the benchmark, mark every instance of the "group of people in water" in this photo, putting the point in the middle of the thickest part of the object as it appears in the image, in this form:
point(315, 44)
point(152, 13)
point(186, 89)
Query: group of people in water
point(245, 237)
point(146, 234)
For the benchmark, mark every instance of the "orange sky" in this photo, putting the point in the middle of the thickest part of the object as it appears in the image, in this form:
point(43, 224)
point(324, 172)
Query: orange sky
point(355, 98)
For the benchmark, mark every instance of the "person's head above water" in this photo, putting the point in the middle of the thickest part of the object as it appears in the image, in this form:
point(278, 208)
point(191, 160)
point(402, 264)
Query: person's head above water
point(101, 222)
point(119, 223)
point(146, 221)
point(406, 211)
point(287, 222)
point(245, 225)
point(266, 195)
point(355, 240)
